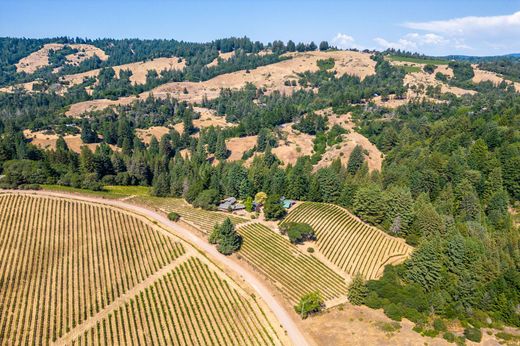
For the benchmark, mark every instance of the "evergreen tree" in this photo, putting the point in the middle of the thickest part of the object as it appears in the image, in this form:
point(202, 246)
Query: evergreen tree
point(298, 182)
point(88, 135)
point(291, 47)
point(329, 185)
point(221, 151)
point(357, 290)
point(425, 264)
point(356, 160)
point(161, 185)
point(399, 211)
point(273, 209)
point(369, 204)
point(324, 45)
point(226, 238)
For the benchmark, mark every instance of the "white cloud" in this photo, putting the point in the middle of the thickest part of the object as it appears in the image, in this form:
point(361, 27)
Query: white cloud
point(472, 26)
point(413, 41)
point(344, 41)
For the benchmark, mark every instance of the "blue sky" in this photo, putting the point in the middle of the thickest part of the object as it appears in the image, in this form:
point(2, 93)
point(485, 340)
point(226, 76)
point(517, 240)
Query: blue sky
point(437, 27)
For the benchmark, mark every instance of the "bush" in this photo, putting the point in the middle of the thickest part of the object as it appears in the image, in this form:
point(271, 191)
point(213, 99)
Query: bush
point(394, 311)
point(30, 187)
point(449, 336)
point(298, 232)
point(173, 216)
point(310, 250)
point(439, 325)
point(430, 333)
point(373, 301)
point(429, 68)
point(473, 334)
point(310, 303)
point(325, 64)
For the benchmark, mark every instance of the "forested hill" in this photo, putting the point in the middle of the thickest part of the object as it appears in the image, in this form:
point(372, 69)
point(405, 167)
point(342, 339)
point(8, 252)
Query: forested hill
point(448, 131)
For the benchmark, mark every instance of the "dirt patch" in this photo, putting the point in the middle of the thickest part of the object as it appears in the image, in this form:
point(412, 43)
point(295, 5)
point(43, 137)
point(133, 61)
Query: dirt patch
point(418, 82)
point(359, 325)
point(145, 135)
point(209, 117)
point(77, 109)
point(373, 156)
point(294, 145)
point(485, 76)
point(238, 146)
point(40, 58)
point(48, 141)
point(223, 56)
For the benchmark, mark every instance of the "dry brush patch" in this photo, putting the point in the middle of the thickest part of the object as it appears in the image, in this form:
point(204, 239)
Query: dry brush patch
point(349, 243)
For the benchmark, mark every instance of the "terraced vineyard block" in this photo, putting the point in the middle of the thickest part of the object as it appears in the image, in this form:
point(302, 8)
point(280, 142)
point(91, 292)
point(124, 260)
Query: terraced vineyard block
point(349, 243)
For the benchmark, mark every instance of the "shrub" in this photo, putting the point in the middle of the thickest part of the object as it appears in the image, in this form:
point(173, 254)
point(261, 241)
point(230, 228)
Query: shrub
point(310, 303)
point(373, 301)
point(449, 336)
point(430, 333)
point(173, 216)
point(473, 334)
point(429, 68)
point(298, 232)
point(394, 311)
point(310, 250)
point(30, 187)
point(439, 325)
point(325, 64)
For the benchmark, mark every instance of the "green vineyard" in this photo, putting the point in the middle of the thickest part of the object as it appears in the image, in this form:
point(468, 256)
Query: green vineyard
point(204, 220)
point(350, 244)
point(206, 311)
point(78, 272)
point(294, 272)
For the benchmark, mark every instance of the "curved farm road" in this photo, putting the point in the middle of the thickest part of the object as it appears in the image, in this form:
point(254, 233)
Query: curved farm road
point(279, 311)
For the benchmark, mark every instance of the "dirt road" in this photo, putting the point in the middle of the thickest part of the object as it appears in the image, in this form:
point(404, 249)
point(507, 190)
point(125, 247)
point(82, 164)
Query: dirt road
point(276, 307)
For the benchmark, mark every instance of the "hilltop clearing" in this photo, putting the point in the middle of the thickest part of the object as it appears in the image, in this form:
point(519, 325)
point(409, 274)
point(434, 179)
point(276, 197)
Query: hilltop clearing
point(293, 144)
point(221, 56)
point(40, 58)
point(271, 77)
point(139, 70)
point(48, 141)
point(207, 118)
point(373, 156)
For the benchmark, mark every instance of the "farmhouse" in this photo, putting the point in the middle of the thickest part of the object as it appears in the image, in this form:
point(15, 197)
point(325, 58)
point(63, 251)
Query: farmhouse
point(230, 204)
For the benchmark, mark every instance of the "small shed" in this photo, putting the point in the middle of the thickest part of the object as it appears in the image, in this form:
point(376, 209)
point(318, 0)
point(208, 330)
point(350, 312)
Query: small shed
point(286, 203)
